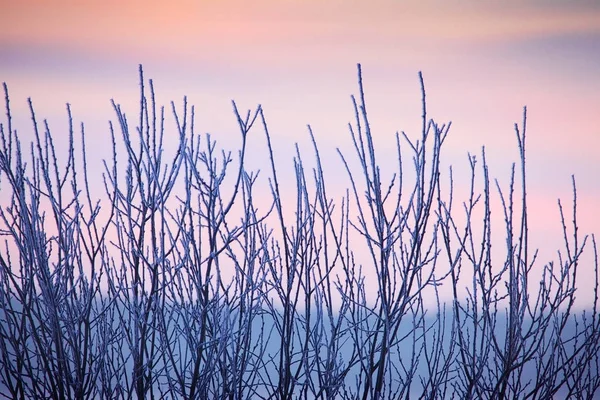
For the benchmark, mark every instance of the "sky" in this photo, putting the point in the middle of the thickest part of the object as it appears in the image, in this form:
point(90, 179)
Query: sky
point(482, 62)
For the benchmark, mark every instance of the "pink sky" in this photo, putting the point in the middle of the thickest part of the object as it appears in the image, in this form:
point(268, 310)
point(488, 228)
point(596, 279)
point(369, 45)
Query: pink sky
point(482, 62)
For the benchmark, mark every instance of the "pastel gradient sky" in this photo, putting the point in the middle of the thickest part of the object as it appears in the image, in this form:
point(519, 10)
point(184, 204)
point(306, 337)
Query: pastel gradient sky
point(482, 62)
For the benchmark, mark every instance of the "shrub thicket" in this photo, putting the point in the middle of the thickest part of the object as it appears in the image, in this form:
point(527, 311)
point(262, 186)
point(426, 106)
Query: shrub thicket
point(180, 283)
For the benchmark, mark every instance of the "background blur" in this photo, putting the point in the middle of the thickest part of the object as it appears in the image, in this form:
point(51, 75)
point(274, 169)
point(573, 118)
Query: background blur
point(482, 62)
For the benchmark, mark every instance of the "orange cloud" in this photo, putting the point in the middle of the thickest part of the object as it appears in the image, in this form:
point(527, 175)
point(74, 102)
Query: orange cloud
point(272, 29)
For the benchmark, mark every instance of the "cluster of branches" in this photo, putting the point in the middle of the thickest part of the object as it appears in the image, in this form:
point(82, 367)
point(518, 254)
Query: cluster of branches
point(181, 284)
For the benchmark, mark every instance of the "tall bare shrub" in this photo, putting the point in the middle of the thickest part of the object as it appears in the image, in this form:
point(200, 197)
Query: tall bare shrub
point(179, 283)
